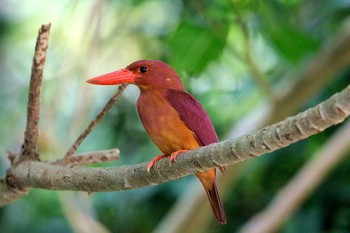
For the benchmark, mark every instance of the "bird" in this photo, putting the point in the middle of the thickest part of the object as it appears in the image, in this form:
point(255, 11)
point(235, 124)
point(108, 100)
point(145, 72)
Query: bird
point(175, 121)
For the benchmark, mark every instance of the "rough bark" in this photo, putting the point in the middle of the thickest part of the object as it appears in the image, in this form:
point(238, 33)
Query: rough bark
point(31, 135)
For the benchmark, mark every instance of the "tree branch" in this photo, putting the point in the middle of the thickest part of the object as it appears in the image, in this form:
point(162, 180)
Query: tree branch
point(91, 157)
point(38, 174)
point(68, 157)
point(30, 144)
point(9, 194)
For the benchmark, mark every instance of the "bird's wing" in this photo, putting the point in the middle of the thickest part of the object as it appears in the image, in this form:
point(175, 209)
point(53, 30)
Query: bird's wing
point(193, 115)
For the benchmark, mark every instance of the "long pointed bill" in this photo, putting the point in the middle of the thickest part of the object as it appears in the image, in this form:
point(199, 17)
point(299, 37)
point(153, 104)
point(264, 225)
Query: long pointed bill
point(114, 78)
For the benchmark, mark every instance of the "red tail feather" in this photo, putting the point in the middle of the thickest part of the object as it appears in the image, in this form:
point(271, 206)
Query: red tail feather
point(216, 204)
point(208, 181)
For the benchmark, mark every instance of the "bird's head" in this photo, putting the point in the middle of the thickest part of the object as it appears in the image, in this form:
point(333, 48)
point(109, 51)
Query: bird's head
point(145, 74)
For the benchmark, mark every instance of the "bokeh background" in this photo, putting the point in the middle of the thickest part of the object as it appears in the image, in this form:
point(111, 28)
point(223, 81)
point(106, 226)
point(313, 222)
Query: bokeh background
point(236, 57)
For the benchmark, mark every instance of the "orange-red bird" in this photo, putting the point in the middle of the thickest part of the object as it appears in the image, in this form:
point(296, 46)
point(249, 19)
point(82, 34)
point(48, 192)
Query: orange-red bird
point(173, 118)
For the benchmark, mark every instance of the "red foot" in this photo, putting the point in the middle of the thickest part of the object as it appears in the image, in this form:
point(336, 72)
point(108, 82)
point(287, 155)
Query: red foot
point(153, 161)
point(175, 154)
point(223, 170)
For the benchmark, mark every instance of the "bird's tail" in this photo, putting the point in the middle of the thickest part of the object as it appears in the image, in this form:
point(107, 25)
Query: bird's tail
point(208, 180)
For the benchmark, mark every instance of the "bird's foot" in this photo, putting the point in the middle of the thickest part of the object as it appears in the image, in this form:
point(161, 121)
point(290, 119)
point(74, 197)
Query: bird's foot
point(175, 154)
point(223, 170)
point(153, 161)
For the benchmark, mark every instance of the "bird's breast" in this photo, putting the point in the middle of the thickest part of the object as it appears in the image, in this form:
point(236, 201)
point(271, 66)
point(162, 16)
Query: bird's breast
point(163, 124)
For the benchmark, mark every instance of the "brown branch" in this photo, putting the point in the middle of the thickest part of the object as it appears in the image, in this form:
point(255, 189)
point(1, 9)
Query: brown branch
point(92, 157)
point(290, 197)
point(38, 174)
point(8, 193)
point(93, 124)
point(30, 144)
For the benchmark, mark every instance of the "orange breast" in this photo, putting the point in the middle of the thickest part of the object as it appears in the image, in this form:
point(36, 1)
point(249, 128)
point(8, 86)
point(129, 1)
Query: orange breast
point(163, 124)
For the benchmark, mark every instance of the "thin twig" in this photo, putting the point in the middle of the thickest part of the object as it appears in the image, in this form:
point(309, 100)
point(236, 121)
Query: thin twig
point(93, 124)
point(92, 157)
point(31, 135)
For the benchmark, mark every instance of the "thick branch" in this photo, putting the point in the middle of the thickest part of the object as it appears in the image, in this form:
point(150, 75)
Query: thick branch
point(42, 175)
point(9, 194)
point(30, 144)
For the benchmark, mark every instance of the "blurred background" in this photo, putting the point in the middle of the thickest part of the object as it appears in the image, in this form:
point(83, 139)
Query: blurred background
point(246, 61)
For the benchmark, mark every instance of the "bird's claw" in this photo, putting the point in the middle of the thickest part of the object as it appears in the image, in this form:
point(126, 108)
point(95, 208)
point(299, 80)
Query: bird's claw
point(153, 161)
point(223, 170)
point(174, 155)
point(173, 158)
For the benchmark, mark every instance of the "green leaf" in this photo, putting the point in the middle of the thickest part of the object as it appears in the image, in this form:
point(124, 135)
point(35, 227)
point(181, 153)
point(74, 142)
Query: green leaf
point(293, 44)
point(192, 47)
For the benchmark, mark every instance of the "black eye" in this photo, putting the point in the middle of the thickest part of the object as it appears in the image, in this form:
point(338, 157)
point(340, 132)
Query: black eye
point(143, 69)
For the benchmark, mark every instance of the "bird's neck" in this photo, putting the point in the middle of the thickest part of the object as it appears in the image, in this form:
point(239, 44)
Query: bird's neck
point(155, 90)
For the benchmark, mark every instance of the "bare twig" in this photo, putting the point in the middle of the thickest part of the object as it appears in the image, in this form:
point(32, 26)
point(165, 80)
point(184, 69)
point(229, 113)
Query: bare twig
point(92, 157)
point(93, 124)
point(30, 144)
point(302, 185)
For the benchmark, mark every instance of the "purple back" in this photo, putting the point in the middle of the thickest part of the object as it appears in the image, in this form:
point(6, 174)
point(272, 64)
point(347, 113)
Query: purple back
point(193, 115)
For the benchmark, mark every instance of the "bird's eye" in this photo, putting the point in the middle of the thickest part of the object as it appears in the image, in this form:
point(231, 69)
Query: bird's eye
point(143, 69)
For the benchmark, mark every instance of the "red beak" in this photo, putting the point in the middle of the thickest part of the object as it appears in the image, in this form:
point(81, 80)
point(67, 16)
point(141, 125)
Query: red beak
point(114, 78)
